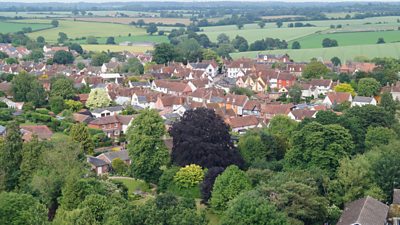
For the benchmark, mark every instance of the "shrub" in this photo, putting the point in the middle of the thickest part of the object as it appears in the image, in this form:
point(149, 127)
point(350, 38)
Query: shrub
point(189, 176)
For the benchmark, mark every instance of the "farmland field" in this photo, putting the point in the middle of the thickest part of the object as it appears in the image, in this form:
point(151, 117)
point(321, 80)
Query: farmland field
point(344, 53)
point(35, 14)
point(351, 38)
point(6, 27)
point(252, 33)
point(77, 29)
point(127, 20)
point(135, 39)
point(117, 48)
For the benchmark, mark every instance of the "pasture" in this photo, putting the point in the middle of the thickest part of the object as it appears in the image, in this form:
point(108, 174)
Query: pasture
point(252, 33)
point(128, 20)
point(7, 27)
point(78, 29)
point(349, 38)
point(344, 52)
point(118, 48)
point(135, 39)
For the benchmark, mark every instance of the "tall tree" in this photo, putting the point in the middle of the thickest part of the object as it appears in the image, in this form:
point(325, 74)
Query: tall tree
point(208, 182)
point(26, 88)
point(201, 137)
point(227, 186)
point(63, 57)
point(315, 69)
point(63, 87)
point(146, 149)
point(164, 53)
point(98, 98)
point(250, 208)
point(11, 157)
point(80, 133)
point(368, 87)
point(388, 103)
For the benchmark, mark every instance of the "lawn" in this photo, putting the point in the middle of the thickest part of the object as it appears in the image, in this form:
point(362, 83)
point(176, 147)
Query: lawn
point(344, 52)
point(77, 29)
point(135, 39)
point(117, 48)
point(349, 38)
point(252, 32)
point(133, 184)
point(8, 27)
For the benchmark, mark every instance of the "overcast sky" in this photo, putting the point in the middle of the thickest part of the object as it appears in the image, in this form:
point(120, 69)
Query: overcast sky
point(30, 1)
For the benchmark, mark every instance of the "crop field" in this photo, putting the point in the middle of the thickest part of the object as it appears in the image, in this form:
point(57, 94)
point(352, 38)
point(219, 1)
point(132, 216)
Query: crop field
point(77, 29)
point(135, 39)
point(252, 33)
point(117, 48)
point(127, 20)
point(35, 14)
point(6, 27)
point(344, 53)
point(351, 38)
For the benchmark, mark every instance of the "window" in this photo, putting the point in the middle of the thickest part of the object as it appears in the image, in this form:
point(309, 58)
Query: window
point(104, 126)
point(116, 125)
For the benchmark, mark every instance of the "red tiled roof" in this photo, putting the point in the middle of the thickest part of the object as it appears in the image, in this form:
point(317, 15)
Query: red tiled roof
point(338, 97)
point(245, 121)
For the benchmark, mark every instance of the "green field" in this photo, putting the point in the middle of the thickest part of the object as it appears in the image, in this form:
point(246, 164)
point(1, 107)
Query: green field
point(351, 38)
point(344, 53)
point(8, 27)
point(252, 34)
point(35, 14)
point(135, 39)
point(77, 29)
point(117, 48)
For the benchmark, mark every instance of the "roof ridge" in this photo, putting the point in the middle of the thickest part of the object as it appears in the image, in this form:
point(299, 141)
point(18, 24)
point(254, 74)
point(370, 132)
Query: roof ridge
point(365, 201)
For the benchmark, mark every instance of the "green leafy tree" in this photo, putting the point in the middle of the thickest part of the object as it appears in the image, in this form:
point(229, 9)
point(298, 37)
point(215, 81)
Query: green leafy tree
point(261, 24)
point(380, 41)
point(296, 45)
point(80, 133)
point(354, 180)
point(98, 59)
point(223, 39)
point(76, 47)
point(320, 146)
point(336, 61)
point(72, 105)
point(282, 126)
point(35, 55)
point(92, 40)
point(110, 41)
point(279, 24)
point(63, 57)
point(41, 40)
point(16, 208)
point(377, 136)
point(26, 88)
point(295, 93)
point(63, 87)
point(388, 103)
point(62, 37)
point(164, 53)
point(56, 104)
point(315, 69)
point(368, 87)
point(98, 98)
point(151, 28)
point(119, 167)
point(343, 87)
point(133, 66)
point(11, 157)
point(189, 176)
point(250, 208)
point(54, 23)
point(190, 50)
point(227, 186)
point(146, 149)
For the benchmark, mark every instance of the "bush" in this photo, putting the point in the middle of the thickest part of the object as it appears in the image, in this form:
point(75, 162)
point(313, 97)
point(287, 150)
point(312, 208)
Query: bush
point(189, 176)
point(167, 178)
point(119, 167)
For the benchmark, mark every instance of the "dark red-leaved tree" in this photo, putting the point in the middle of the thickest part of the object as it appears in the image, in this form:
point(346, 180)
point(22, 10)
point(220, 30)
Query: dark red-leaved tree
point(201, 137)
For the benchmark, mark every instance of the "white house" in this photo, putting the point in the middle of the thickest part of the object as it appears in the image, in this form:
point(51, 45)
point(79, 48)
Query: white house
point(361, 100)
point(112, 77)
point(334, 98)
point(108, 111)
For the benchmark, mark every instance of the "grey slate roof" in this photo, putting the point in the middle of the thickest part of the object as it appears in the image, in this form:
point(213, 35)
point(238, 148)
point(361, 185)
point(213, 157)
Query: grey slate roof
point(362, 99)
point(364, 211)
point(96, 162)
point(123, 155)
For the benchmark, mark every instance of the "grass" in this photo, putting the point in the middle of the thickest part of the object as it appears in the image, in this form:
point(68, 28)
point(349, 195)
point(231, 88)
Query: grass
point(77, 29)
point(192, 192)
point(117, 48)
point(10, 27)
point(344, 53)
point(127, 20)
point(350, 38)
point(133, 184)
point(213, 219)
point(253, 33)
point(135, 39)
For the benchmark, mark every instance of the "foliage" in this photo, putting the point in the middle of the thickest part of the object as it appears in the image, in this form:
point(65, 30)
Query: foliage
point(63, 87)
point(189, 176)
point(368, 87)
point(336, 61)
point(164, 53)
point(10, 157)
point(296, 45)
point(208, 182)
point(72, 105)
point(320, 146)
point(133, 66)
point(146, 149)
point(167, 178)
point(388, 103)
point(241, 91)
point(295, 93)
point(315, 69)
point(377, 136)
point(190, 50)
point(282, 126)
point(119, 166)
point(250, 208)
point(56, 104)
point(343, 87)
point(54, 23)
point(91, 40)
point(227, 186)
point(26, 88)
point(21, 209)
point(80, 133)
point(63, 57)
point(327, 43)
point(201, 137)
point(98, 59)
point(98, 98)
point(151, 28)
point(76, 47)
